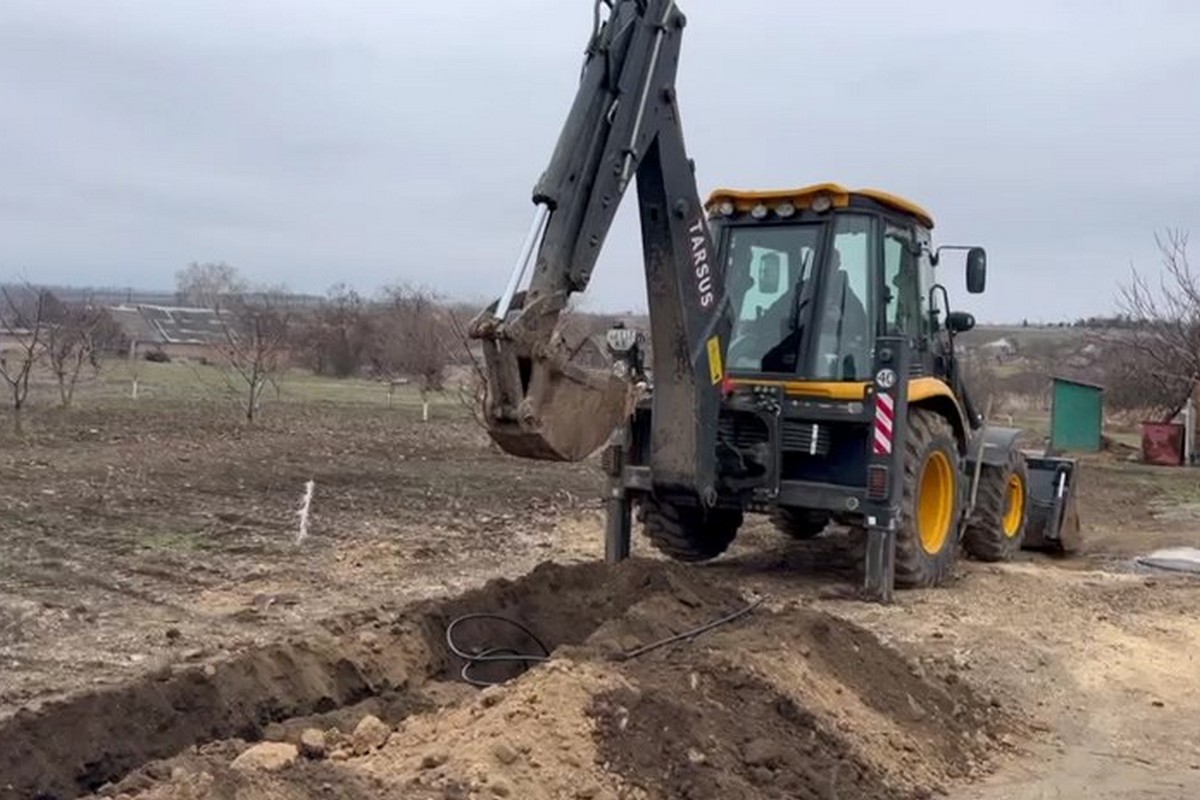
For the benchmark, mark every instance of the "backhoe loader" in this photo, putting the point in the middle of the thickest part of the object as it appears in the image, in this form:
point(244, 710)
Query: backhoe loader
point(801, 349)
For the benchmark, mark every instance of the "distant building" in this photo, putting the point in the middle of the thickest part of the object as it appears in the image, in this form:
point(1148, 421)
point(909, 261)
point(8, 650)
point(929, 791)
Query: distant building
point(1001, 350)
point(174, 331)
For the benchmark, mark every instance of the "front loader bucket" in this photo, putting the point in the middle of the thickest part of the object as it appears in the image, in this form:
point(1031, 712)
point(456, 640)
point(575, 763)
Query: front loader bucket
point(549, 408)
point(1053, 522)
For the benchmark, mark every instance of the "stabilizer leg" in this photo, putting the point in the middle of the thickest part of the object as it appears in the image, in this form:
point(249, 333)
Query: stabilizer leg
point(885, 467)
point(618, 525)
point(880, 569)
point(618, 508)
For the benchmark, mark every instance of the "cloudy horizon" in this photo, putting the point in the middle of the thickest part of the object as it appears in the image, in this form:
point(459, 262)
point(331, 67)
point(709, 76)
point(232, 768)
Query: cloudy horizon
point(311, 142)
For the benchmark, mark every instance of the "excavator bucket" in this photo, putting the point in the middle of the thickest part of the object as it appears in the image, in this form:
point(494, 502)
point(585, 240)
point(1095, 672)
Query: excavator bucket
point(568, 413)
point(1053, 522)
point(543, 402)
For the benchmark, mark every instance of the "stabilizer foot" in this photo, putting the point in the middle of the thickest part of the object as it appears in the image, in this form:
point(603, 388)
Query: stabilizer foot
point(618, 526)
point(880, 569)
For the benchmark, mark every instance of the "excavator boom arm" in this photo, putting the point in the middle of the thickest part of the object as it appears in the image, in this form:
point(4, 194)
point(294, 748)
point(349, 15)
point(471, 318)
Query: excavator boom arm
point(624, 123)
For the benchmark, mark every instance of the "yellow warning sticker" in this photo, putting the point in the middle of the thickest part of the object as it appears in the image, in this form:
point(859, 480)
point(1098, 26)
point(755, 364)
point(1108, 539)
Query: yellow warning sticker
point(714, 360)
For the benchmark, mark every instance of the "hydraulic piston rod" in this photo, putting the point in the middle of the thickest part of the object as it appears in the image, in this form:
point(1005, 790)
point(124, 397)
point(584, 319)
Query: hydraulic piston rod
point(532, 240)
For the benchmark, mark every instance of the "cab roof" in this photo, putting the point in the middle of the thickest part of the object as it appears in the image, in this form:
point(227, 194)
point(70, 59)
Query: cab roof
point(803, 197)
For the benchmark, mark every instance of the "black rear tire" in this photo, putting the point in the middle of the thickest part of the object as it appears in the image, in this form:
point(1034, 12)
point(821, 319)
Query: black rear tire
point(688, 533)
point(927, 543)
point(996, 530)
point(800, 523)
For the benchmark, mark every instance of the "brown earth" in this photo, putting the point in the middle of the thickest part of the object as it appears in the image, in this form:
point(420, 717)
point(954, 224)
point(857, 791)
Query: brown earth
point(136, 537)
point(157, 616)
point(785, 702)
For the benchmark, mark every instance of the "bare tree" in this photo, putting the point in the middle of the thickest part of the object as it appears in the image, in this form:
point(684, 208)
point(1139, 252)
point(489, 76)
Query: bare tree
point(77, 336)
point(208, 285)
point(472, 396)
point(255, 346)
point(412, 339)
point(23, 321)
point(338, 338)
point(980, 380)
point(1035, 385)
point(1155, 362)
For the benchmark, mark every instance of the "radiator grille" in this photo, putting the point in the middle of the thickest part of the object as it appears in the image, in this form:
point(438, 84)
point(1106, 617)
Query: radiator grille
point(805, 437)
point(743, 431)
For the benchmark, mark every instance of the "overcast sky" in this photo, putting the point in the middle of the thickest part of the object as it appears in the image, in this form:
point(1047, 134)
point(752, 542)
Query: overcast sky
point(371, 141)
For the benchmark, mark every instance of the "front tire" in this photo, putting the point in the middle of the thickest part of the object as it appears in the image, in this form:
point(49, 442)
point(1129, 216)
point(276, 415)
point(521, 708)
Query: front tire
point(688, 533)
point(997, 526)
point(927, 537)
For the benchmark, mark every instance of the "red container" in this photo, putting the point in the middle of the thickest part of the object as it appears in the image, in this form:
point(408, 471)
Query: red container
point(1162, 443)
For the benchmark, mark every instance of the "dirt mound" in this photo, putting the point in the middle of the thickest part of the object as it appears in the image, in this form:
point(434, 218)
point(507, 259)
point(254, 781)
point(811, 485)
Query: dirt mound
point(716, 731)
point(795, 704)
point(383, 660)
point(77, 745)
point(566, 606)
point(532, 739)
point(785, 703)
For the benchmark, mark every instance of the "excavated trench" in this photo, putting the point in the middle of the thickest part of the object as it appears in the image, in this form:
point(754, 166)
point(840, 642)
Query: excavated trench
point(777, 703)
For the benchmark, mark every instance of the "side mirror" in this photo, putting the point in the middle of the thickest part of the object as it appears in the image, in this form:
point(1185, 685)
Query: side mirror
point(960, 321)
point(976, 270)
point(769, 274)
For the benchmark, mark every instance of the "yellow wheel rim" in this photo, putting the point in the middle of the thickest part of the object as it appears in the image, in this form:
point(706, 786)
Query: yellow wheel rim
point(935, 503)
point(1014, 509)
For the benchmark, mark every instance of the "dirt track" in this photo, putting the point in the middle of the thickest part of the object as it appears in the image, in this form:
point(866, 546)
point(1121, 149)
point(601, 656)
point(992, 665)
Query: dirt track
point(145, 571)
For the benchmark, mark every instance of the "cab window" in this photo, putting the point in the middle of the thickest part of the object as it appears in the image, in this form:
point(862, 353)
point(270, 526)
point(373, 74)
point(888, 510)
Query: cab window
point(767, 269)
point(902, 313)
point(845, 328)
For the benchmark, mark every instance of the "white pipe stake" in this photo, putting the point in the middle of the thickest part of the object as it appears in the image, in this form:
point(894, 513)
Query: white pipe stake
point(305, 505)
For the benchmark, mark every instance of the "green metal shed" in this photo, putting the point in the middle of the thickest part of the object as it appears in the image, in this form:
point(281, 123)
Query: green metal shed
point(1076, 416)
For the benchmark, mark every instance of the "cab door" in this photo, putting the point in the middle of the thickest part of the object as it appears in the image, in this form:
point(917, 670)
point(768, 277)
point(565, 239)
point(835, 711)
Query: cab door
point(907, 278)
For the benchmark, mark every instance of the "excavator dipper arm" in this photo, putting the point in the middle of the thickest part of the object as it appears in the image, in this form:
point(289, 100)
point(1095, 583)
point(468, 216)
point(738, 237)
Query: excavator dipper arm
point(624, 123)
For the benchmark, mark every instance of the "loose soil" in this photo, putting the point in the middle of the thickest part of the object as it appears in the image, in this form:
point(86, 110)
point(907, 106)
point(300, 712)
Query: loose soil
point(158, 617)
point(785, 702)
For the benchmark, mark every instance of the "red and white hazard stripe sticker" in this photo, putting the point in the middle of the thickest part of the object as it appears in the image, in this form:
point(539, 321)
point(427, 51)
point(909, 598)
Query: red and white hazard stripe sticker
point(885, 420)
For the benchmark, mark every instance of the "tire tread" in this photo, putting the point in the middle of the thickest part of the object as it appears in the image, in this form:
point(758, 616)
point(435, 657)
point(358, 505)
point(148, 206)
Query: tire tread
point(688, 534)
point(984, 538)
point(914, 567)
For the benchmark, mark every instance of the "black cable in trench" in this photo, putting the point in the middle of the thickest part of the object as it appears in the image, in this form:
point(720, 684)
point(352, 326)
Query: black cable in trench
point(693, 633)
point(507, 655)
point(493, 655)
